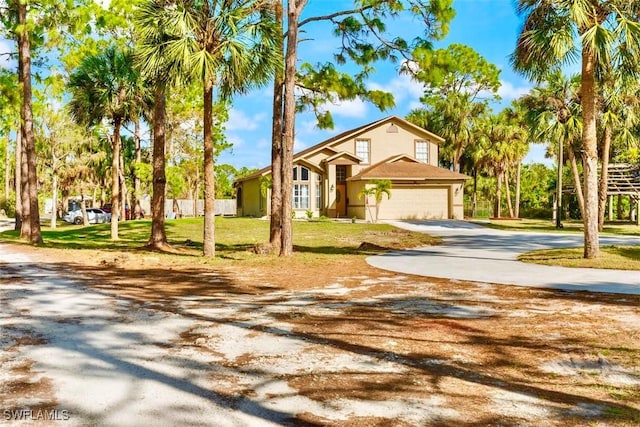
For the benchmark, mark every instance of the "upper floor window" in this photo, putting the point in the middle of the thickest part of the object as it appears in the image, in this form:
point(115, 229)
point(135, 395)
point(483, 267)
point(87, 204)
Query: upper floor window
point(363, 149)
point(422, 151)
point(300, 173)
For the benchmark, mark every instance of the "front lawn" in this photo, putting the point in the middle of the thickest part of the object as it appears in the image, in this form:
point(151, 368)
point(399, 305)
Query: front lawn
point(236, 238)
point(572, 226)
point(612, 257)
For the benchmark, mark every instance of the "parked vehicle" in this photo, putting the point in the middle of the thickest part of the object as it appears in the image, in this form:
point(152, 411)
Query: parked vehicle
point(95, 216)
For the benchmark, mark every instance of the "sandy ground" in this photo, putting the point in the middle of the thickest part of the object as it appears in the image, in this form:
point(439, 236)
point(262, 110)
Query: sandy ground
point(120, 340)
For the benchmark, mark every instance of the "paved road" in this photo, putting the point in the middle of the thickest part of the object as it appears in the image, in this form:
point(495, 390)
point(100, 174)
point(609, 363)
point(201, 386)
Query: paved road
point(472, 252)
point(6, 224)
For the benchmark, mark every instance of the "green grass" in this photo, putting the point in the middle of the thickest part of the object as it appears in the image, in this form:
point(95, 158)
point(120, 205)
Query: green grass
point(611, 257)
point(235, 237)
point(573, 226)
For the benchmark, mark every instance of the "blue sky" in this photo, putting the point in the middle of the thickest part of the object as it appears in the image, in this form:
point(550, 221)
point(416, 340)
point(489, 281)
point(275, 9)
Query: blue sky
point(489, 26)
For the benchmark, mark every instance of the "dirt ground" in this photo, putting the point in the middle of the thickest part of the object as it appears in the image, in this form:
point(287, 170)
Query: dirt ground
point(344, 344)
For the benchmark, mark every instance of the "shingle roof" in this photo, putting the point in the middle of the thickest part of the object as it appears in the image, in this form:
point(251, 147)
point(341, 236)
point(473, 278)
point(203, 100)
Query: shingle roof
point(406, 168)
point(347, 134)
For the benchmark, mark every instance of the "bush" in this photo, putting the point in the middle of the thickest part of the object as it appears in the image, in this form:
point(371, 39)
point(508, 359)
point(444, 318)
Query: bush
point(536, 213)
point(9, 205)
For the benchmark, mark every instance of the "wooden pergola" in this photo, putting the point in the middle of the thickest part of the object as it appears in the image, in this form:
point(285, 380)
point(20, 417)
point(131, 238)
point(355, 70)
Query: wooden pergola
point(624, 180)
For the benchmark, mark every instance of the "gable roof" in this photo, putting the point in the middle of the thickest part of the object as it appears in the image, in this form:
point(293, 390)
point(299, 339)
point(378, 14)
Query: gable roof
point(352, 133)
point(403, 167)
point(343, 158)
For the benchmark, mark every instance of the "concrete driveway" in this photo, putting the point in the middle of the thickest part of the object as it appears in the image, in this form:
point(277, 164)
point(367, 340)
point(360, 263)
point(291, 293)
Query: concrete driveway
point(476, 253)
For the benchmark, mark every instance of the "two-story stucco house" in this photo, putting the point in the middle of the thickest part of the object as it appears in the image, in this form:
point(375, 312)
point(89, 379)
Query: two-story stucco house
point(329, 177)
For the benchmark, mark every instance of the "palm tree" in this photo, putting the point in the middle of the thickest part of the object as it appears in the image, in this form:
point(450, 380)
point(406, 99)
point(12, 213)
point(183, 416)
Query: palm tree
point(106, 86)
point(600, 33)
point(520, 140)
point(382, 187)
point(494, 138)
point(619, 116)
point(226, 44)
point(364, 195)
point(518, 146)
point(555, 115)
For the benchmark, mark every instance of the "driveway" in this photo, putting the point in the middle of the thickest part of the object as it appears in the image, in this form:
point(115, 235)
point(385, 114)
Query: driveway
point(476, 253)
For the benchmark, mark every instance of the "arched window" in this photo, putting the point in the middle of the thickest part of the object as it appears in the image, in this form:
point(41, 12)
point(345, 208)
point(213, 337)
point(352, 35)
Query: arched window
point(301, 193)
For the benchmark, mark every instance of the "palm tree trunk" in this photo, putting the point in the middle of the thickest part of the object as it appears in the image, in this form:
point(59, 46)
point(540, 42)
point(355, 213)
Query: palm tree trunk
point(590, 154)
point(275, 219)
point(115, 177)
point(518, 178)
point(25, 207)
point(83, 207)
point(508, 192)
point(604, 175)
point(474, 202)
point(197, 194)
point(209, 245)
point(619, 207)
point(158, 238)
point(497, 209)
point(54, 198)
point(135, 197)
point(18, 179)
point(576, 179)
point(7, 169)
point(294, 11)
point(456, 158)
point(26, 113)
point(123, 188)
point(65, 201)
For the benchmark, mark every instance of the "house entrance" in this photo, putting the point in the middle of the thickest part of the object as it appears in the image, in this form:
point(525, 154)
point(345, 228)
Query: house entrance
point(341, 200)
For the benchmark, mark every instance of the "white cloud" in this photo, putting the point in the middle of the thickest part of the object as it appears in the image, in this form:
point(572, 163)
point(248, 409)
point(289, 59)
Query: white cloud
point(5, 48)
point(239, 120)
point(355, 108)
point(236, 140)
point(299, 145)
point(263, 143)
point(405, 90)
point(508, 91)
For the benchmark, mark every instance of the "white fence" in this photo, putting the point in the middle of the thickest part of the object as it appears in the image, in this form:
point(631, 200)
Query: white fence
point(185, 207)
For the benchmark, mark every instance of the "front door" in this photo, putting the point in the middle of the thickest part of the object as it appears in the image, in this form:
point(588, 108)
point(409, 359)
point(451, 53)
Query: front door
point(341, 200)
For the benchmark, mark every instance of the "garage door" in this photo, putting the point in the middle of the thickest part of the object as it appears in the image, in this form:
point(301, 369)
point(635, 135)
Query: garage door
point(416, 203)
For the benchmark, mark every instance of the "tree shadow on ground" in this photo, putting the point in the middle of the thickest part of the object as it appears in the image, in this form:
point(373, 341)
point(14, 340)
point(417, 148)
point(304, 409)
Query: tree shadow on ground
point(136, 288)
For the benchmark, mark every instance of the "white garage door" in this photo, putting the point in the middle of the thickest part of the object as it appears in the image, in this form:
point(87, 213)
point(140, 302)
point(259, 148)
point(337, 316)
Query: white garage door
point(416, 203)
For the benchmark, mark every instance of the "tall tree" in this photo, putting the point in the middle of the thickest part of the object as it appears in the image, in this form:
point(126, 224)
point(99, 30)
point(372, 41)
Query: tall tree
point(619, 118)
point(458, 84)
point(364, 40)
point(554, 113)
point(519, 138)
point(600, 33)
point(229, 46)
point(106, 86)
point(31, 216)
point(9, 116)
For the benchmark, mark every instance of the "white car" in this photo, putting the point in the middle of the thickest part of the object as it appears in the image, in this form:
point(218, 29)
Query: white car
point(96, 216)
